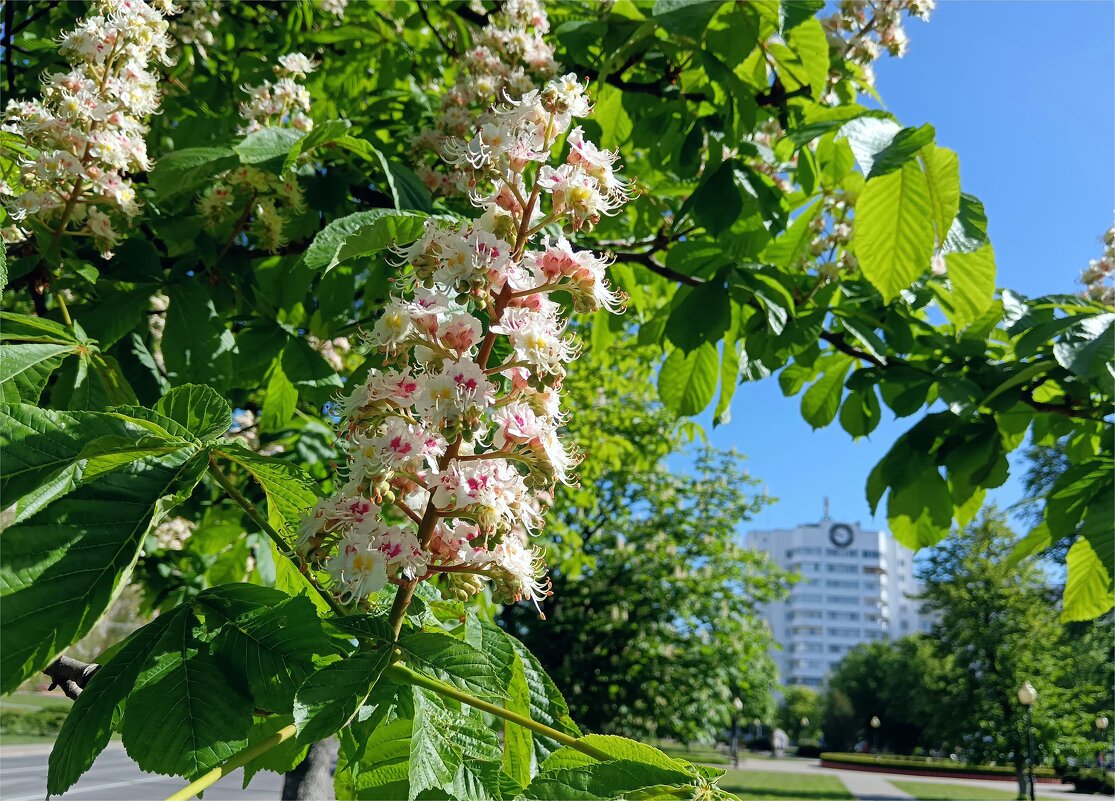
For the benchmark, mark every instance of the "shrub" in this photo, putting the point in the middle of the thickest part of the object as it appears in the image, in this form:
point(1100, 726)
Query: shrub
point(809, 748)
point(928, 763)
point(40, 723)
point(1090, 780)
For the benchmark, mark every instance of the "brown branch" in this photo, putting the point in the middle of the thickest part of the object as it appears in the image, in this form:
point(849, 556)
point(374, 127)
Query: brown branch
point(70, 674)
point(841, 344)
point(426, 18)
point(644, 258)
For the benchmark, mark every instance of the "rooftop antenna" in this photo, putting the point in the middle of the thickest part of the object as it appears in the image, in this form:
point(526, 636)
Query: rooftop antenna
point(826, 515)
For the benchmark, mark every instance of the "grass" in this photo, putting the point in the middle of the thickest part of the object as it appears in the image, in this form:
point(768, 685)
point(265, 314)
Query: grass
point(701, 754)
point(29, 702)
point(23, 739)
point(930, 791)
point(754, 785)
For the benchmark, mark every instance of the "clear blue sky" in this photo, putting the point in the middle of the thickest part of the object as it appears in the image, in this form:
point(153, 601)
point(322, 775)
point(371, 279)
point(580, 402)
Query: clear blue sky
point(1023, 92)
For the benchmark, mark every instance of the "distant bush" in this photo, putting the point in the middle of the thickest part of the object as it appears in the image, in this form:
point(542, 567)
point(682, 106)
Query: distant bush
point(759, 744)
point(40, 723)
point(809, 748)
point(927, 763)
point(1090, 780)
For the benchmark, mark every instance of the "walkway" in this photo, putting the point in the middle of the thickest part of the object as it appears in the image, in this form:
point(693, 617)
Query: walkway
point(878, 787)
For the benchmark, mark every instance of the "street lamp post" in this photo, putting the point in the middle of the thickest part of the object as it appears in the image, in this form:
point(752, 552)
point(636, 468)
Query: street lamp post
point(802, 726)
point(875, 724)
point(737, 708)
point(1027, 695)
point(1101, 727)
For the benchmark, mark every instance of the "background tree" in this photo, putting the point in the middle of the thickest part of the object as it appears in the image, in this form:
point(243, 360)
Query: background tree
point(799, 703)
point(648, 556)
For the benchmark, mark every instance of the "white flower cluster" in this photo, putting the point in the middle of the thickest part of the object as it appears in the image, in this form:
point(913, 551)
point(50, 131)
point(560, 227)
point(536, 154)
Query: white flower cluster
point(87, 131)
point(861, 30)
point(508, 59)
point(1096, 277)
point(453, 436)
point(263, 199)
point(196, 24)
point(335, 7)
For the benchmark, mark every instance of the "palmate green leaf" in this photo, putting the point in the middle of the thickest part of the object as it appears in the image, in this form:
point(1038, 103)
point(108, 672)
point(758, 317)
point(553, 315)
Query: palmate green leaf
point(86, 729)
point(61, 568)
point(716, 203)
point(604, 780)
point(617, 748)
point(920, 512)
point(184, 717)
point(687, 381)
point(942, 170)
point(434, 757)
point(792, 245)
point(807, 41)
point(282, 758)
point(903, 148)
point(364, 233)
point(197, 347)
point(267, 144)
point(893, 229)
point(204, 413)
point(290, 492)
point(26, 367)
point(383, 771)
point(972, 278)
point(329, 698)
point(519, 761)
point(685, 17)
point(186, 171)
point(821, 401)
point(1089, 586)
point(702, 314)
point(273, 646)
point(545, 702)
point(454, 662)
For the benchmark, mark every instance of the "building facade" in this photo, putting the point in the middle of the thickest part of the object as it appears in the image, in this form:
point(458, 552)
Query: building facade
point(856, 586)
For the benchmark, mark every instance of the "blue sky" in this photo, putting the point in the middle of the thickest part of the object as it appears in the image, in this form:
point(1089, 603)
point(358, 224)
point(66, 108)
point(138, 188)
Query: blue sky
point(1022, 91)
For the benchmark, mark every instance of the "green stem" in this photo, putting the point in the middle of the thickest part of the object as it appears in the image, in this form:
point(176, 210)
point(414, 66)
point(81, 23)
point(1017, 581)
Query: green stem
point(405, 674)
point(238, 761)
point(268, 529)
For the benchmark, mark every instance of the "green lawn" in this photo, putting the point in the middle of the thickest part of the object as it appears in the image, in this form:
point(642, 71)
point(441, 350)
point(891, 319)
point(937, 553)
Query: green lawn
point(29, 702)
point(929, 791)
point(701, 754)
point(753, 785)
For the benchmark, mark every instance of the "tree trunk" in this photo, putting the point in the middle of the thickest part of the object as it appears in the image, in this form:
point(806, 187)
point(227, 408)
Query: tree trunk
point(1020, 774)
point(312, 780)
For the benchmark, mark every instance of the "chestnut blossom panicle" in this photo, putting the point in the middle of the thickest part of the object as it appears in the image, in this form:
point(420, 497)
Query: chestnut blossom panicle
point(862, 30)
point(508, 58)
point(84, 137)
point(1098, 276)
point(453, 439)
point(263, 201)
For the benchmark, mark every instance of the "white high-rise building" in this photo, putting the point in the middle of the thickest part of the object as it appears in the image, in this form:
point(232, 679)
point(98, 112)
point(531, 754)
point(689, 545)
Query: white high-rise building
point(856, 586)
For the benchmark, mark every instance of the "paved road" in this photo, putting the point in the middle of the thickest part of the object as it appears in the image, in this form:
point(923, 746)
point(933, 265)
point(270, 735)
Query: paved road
point(114, 777)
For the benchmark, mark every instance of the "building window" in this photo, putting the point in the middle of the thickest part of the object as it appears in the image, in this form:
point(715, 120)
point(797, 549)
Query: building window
point(834, 631)
point(871, 555)
point(843, 615)
point(842, 568)
point(843, 600)
point(842, 584)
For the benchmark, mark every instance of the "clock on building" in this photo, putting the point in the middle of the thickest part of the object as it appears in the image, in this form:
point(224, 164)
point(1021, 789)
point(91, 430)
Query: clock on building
point(841, 535)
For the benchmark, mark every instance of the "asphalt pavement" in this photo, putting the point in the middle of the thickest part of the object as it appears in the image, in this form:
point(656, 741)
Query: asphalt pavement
point(114, 777)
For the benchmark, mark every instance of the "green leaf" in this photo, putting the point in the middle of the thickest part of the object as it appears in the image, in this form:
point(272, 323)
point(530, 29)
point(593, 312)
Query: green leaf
point(201, 720)
point(282, 758)
point(968, 232)
point(454, 662)
point(289, 490)
point(1037, 540)
point(792, 245)
point(267, 144)
point(329, 698)
point(434, 758)
point(716, 203)
point(197, 347)
point(616, 748)
point(86, 729)
point(809, 44)
point(893, 230)
point(364, 233)
point(821, 401)
point(611, 780)
point(25, 368)
point(271, 647)
point(280, 399)
point(920, 512)
point(407, 188)
point(685, 17)
point(545, 702)
point(702, 315)
point(942, 170)
point(901, 150)
point(519, 760)
point(1089, 590)
point(62, 567)
point(687, 381)
point(185, 171)
point(972, 277)
point(198, 408)
point(321, 134)
point(860, 414)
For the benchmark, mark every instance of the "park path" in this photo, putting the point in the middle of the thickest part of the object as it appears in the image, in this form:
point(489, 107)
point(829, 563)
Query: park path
point(871, 787)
